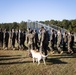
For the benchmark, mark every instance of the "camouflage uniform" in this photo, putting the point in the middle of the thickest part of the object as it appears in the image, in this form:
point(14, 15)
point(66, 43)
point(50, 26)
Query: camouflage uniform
point(59, 37)
point(29, 38)
point(64, 41)
point(50, 42)
point(10, 38)
point(1, 38)
point(69, 42)
point(41, 40)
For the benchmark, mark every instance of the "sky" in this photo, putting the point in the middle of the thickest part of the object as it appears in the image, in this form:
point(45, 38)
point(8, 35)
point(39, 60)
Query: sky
point(36, 10)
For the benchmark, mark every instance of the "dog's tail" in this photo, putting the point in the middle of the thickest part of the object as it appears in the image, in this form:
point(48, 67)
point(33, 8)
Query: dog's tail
point(44, 56)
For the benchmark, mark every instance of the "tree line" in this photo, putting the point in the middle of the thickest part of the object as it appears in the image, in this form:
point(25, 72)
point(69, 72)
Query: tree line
point(67, 24)
point(22, 25)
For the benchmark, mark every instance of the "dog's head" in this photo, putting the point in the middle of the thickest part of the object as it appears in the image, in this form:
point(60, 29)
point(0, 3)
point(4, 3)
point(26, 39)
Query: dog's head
point(31, 50)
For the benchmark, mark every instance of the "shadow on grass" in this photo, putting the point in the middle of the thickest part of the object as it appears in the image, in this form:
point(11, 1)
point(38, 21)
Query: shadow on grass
point(14, 63)
point(2, 59)
point(49, 61)
point(11, 58)
point(9, 55)
point(55, 61)
point(65, 56)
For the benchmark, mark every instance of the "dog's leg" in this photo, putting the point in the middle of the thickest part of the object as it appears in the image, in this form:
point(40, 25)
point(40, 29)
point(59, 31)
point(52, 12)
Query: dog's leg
point(44, 61)
point(33, 60)
point(38, 61)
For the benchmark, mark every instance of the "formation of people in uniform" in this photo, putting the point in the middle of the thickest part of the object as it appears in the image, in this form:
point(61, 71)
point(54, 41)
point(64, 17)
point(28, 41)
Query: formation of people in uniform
point(9, 39)
point(41, 40)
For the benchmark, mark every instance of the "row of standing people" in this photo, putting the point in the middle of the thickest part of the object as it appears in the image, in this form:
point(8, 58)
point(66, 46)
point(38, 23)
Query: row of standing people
point(41, 40)
point(9, 39)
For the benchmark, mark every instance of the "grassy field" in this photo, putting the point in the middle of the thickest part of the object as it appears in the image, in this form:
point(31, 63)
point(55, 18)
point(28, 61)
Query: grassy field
point(19, 63)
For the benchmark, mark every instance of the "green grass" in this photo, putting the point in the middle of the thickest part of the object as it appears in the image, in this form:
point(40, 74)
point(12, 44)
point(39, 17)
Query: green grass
point(19, 63)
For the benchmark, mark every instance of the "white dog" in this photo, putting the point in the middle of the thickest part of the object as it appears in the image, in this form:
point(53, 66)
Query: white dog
point(38, 56)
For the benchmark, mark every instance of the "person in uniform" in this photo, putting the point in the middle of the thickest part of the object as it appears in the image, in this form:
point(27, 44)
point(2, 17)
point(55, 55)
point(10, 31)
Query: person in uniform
point(42, 31)
point(29, 38)
point(21, 39)
point(70, 44)
point(13, 39)
point(1, 38)
point(53, 39)
point(59, 37)
point(46, 42)
point(50, 42)
point(6, 39)
point(18, 38)
point(35, 40)
point(24, 38)
point(56, 37)
point(10, 37)
point(64, 41)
